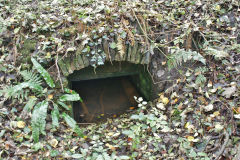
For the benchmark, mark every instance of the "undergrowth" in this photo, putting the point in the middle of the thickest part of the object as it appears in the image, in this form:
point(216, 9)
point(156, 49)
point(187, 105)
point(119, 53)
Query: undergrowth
point(39, 101)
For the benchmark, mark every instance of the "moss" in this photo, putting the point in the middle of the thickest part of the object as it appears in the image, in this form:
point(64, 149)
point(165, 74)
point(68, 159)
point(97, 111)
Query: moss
point(145, 85)
point(26, 50)
point(28, 47)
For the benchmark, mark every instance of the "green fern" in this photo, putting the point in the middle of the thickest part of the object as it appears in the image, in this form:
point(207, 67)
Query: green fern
point(11, 92)
point(39, 120)
point(200, 80)
point(178, 56)
point(63, 105)
point(70, 97)
point(72, 123)
point(43, 73)
point(32, 82)
point(55, 116)
point(31, 77)
point(31, 102)
point(17, 91)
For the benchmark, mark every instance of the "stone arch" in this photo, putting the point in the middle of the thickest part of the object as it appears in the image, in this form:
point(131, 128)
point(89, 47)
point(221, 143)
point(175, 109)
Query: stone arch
point(77, 61)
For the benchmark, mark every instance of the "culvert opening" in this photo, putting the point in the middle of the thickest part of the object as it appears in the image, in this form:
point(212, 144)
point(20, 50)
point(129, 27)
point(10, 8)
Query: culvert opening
point(109, 90)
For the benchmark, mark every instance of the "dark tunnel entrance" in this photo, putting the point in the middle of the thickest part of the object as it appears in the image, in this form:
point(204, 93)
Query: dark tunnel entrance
point(109, 90)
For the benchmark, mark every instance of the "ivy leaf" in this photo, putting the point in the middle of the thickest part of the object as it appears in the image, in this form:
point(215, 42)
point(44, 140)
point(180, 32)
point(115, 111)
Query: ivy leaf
point(72, 123)
point(71, 49)
point(76, 156)
point(113, 45)
point(124, 157)
point(37, 146)
point(43, 73)
point(39, 120)
point(86, 49)
point(201, 79)
point(198, 57)
point(3, 27)
point(2, 132)
point(70, 97)
point(129, 133)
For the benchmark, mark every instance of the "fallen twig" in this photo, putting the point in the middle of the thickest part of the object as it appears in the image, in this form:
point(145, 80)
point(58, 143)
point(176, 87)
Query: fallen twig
point(231, 112)
point(219, 153)
point(59, 75)
point(211, 138)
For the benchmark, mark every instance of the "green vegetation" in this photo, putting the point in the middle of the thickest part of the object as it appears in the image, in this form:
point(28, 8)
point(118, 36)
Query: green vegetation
point(39, 113)
point(197, 115)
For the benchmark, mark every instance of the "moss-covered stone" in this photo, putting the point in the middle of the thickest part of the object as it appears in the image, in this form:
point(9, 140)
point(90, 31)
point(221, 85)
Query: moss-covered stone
point(63, 67)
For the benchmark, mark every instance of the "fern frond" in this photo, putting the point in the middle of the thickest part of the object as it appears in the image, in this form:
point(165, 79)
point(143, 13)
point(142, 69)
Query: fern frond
point(43, 73)
point(178, 56)
point(39, 120)
point(17, 91)
point(31, 102)
point(31, 77)
point(73, 124)
point(55, 116)
point(70, 97)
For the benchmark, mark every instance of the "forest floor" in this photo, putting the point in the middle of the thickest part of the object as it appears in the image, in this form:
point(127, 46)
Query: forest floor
point(197, 118)
point(187, 121)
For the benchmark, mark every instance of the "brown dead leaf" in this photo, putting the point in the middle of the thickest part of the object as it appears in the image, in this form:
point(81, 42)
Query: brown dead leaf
point(131, 108)
point(50, 96)
point(202, 100)
point(110, 146)
point(21, 124)
point(53, 143)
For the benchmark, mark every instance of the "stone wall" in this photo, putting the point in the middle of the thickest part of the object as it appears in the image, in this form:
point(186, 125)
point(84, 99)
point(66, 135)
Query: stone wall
point(154, 62)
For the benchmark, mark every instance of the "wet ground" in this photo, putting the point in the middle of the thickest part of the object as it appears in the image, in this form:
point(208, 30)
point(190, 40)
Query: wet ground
point(103, 98)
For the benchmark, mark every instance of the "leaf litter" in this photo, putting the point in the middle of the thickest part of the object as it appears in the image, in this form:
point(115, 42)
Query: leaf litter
point(198, 121)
